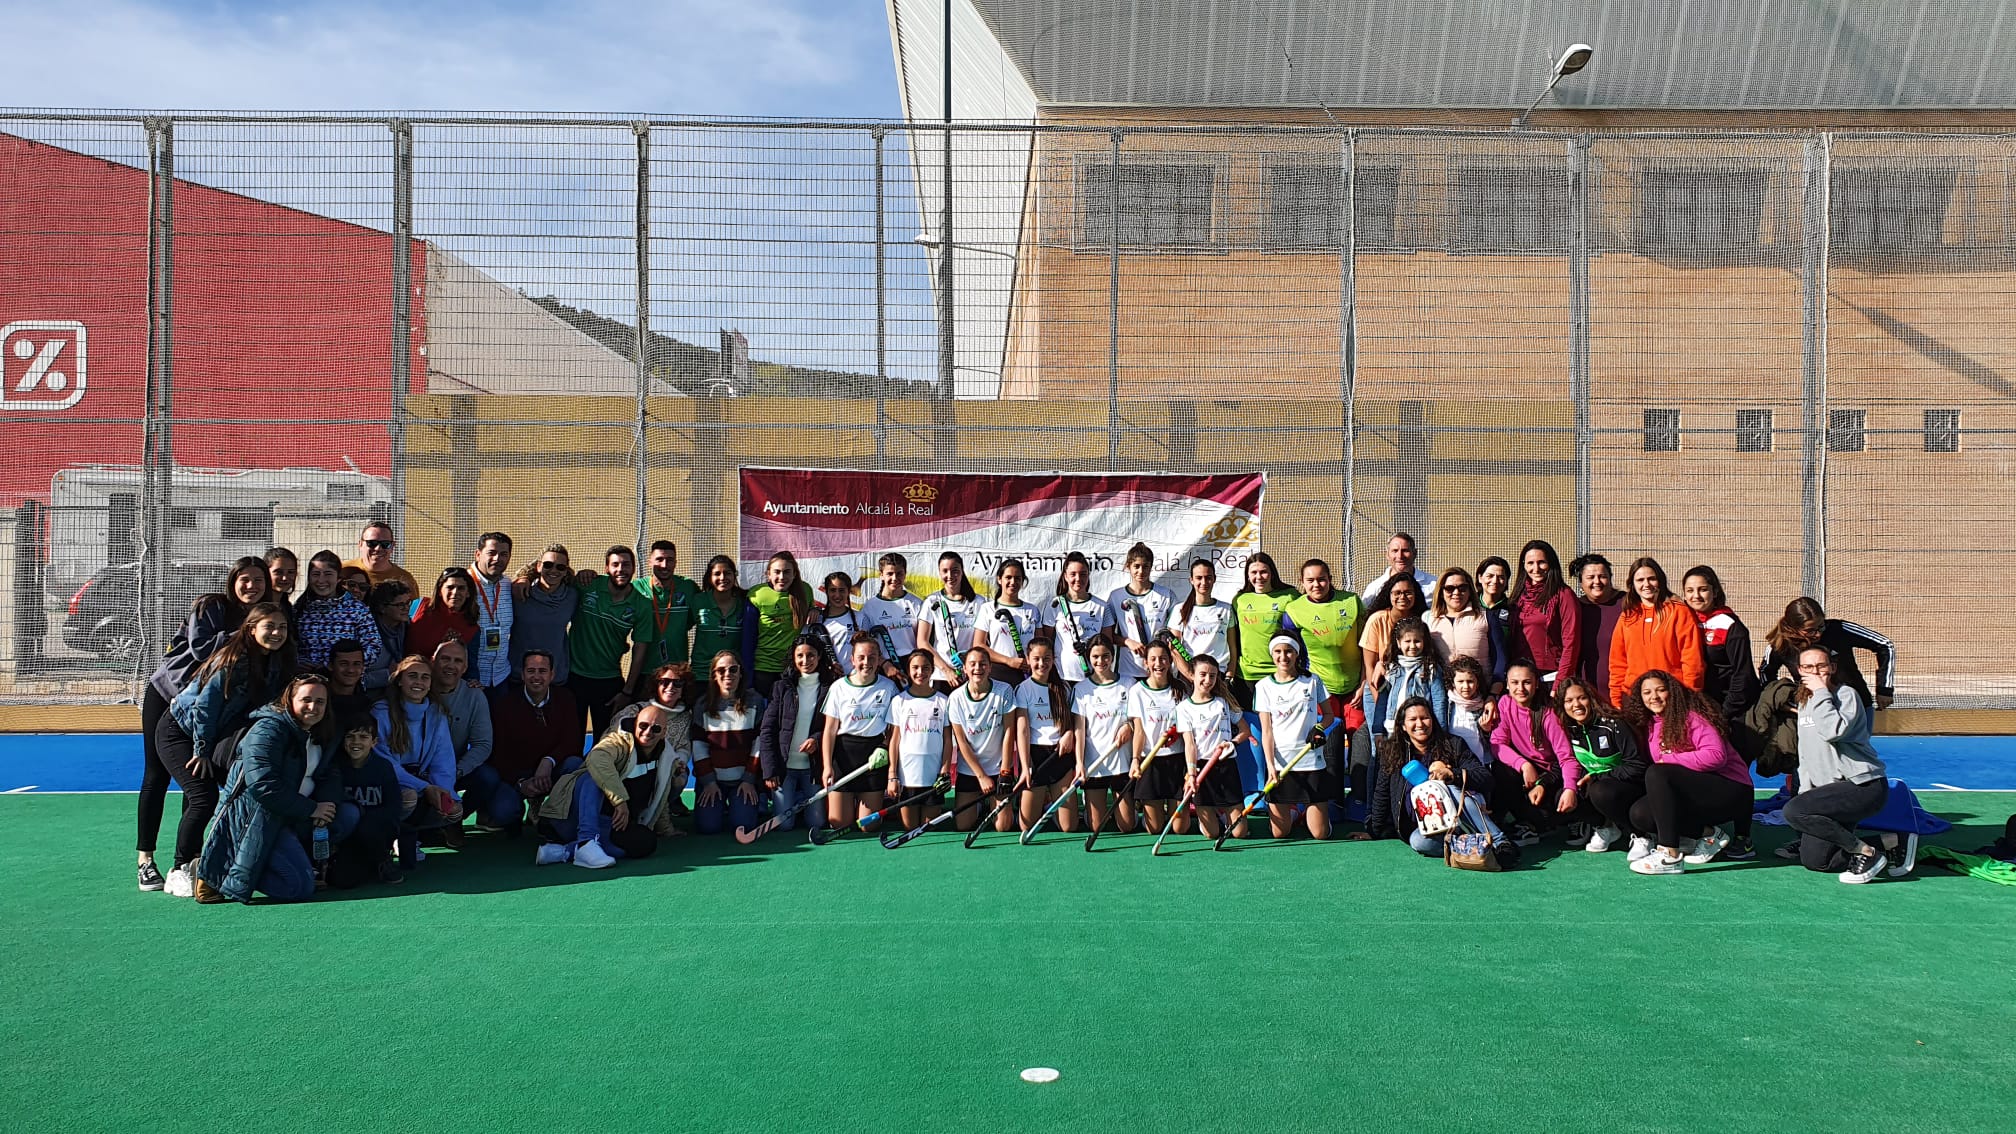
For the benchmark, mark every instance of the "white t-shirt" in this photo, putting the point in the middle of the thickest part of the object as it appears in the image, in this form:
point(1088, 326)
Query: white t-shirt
point(920, 729)
point(1209, 724)
point(984, 721)
point(1204, 634)
point(988, 620)
point(1034, 700)
point(1296, 706)
point(1103, 708)
point(897, 616)
point(951, 620)
point(801, 724)
point(1153, 711)
point(839, 630)
point(1426, 580)
point(862, 710)
point(1149, 616)
point(1077, 623)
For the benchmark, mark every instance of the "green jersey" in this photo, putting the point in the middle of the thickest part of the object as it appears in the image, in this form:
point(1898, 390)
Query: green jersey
point(714, 631)
point(1259, 618)
point(776, 629)
point(1330, 634)
point(604, 626)
point(672, 609)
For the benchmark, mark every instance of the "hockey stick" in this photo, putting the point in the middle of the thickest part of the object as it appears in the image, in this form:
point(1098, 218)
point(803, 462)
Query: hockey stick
point(1209, 764)
point(745, 835)
point(1133, 782)
point(1020, 787)
point(1076, 783)
point(936, 821)
point(822, 835)
point(1254, 803)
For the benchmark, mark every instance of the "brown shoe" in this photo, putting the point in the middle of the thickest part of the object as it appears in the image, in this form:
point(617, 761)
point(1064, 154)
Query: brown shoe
point(207, 894)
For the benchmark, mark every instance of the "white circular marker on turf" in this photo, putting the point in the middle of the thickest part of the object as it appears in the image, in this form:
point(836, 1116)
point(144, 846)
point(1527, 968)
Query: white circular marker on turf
point(1040, 1075)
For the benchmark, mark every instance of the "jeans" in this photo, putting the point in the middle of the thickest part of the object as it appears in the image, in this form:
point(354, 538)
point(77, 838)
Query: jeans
point(1474, 815)
point(797, 786)
point(496, 801)
point(290, 873)
point(1825, 818)
point(727, 813)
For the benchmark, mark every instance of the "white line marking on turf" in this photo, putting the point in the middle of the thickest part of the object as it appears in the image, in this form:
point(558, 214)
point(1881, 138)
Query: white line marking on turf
point(20, 790)
point(1947, 787)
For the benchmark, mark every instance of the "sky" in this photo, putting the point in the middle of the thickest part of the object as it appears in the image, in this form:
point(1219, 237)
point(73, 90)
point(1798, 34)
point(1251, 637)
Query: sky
point(761, 58)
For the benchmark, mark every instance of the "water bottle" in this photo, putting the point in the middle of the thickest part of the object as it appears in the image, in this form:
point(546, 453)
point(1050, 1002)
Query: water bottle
point(321, 848)
point(1416, 773)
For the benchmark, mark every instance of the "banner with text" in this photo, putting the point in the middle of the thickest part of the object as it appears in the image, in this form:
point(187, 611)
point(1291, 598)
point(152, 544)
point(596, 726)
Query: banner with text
point(843, 521)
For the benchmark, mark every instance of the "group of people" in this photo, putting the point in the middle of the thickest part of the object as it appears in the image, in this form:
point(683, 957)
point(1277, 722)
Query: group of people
point(327, 739)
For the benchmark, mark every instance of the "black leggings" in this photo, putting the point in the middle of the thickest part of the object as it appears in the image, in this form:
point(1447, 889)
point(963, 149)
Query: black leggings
point(1825, 818)
point(172, 749)
point(1508, 787)
point(1680, 803)
point(1613, 798)
point(154, 776)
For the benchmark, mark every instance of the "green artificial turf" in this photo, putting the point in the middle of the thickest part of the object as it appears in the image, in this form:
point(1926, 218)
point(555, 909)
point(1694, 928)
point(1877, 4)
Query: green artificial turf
point(1291, 986)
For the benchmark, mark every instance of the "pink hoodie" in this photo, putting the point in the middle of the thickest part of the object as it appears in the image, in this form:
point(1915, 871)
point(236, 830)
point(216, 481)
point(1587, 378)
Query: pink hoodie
point(1706, 750)
point(1513, 741)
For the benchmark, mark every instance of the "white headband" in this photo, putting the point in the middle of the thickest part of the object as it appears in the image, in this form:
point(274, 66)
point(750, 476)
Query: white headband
point(1280, 638)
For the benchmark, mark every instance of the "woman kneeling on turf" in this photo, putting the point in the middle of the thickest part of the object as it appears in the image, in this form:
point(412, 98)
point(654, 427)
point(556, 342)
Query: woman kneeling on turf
point(917, 719)
point(1045, 738)
point(1210, 719)
point(1538, 784)
point(1696, 780)
point(981, 713)
point(1151, 705)
point(725, 719)
point(857, 723)
point(282, 786)
point(1105, 733)
point(1841, 779)
point(1418, 736)
point(1292, 709)
point(1613, 764)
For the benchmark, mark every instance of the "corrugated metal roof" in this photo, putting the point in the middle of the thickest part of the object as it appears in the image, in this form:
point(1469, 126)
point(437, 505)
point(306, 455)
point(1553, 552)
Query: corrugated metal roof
point(1667, 54)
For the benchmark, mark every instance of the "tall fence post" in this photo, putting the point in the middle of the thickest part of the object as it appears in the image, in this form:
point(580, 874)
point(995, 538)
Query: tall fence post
point(881, 309)
point(1813, 368)
point(643, 249)
point(1578, 341)
point(1347, 370)
point(157, 472)
point(1113, 314)
point(402, 306)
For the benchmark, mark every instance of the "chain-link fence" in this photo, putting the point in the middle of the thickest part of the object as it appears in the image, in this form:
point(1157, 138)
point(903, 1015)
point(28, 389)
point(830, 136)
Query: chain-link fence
point(1783, 355)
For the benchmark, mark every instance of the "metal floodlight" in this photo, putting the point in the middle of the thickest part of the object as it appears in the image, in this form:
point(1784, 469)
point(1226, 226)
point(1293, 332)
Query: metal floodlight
point(1572, 60)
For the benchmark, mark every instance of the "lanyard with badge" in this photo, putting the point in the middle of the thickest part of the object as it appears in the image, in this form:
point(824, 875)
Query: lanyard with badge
point(493, 636)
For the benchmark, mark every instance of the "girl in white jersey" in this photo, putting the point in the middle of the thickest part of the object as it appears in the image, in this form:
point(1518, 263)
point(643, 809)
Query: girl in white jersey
point(917, 722)
point(837, 619)
point(857, 723)
point(1202, 623)
point(1006, 626)
point(1210, 718)
point(981, 713)
point(946, 627)
point(1292, 706)
point(1076, 616)
point(891, 614)
point(1137, 611)
point(1105, 733)
point(1045, 737)
point(1151, 705)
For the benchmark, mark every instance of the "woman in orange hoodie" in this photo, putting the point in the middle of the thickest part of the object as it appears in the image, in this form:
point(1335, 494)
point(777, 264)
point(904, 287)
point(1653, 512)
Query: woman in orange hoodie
point(1655, 632)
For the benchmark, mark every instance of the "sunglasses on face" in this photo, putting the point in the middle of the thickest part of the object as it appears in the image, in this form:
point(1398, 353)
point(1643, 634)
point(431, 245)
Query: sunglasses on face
point(552, 566)
point(728, 669)
point(649, 729)
point(664, 681)
point(1457, 588)
point(377, 544)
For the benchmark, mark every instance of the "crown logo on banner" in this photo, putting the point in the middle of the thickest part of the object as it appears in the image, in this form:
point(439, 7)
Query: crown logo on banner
point(920, 493)
point(1233, 531)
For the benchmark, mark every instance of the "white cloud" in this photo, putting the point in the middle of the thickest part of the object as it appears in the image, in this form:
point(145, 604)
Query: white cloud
point(726, 57)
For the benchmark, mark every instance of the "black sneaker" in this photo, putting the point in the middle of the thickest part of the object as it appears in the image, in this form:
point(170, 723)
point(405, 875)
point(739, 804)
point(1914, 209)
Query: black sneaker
point(389, 873)
point(1508, 855)
point(150, 878)
point(1740, 849)
point(1863, 867)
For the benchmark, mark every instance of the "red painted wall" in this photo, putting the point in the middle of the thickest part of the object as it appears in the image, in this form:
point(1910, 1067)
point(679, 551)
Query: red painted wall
point(279, 314)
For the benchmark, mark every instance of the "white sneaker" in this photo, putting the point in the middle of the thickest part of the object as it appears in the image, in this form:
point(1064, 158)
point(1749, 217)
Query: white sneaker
point(181, 883)
point(551, 854)
point(1640, 847)
point(1603, 839)
point(591, 856)
point(1708, 846)
point(1903, 868)
point(1657, 863)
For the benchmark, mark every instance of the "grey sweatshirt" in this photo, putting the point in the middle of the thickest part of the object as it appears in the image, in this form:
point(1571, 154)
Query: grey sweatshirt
point(539, 621)
point(1834, 741)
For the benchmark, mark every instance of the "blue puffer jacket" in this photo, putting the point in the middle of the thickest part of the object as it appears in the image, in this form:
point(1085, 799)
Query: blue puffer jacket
point(209, 714)
point(263, 801)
